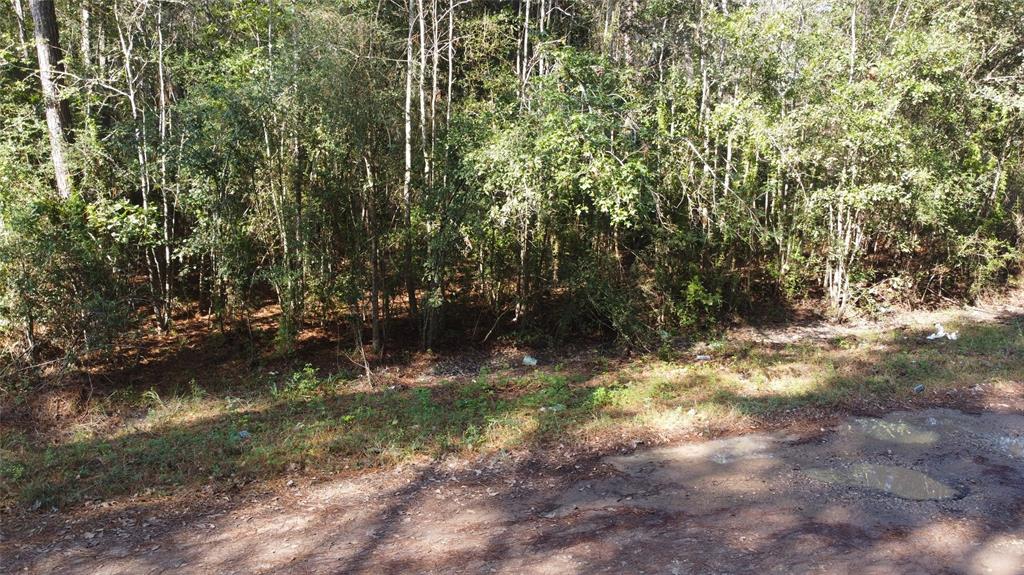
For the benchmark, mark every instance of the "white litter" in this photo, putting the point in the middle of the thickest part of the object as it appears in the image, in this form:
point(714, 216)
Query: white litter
point(940, 332)
point(530, 361)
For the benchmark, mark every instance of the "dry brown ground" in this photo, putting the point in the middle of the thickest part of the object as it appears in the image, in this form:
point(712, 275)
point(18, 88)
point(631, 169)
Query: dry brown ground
point(743, 504)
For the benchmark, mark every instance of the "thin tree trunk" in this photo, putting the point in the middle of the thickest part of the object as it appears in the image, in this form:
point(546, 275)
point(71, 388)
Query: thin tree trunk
point(19, 15)
point(448, 91)
point(451, 64)
point(606, 39)
point(519, 51)
point(142, 156)
point(540, 27)
point(101, 52)
point(526, 51)
point(407, 180)
point(85, 51)
point(85, 47)
point(853, 39)
point(371, 224)
point(424, 147)
point(30, 338)
point(434, 58)
point(521, 285)
point(165, 273)
point(51, 68)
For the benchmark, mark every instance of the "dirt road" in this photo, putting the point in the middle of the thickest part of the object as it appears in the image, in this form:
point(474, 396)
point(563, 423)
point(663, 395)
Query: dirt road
point(935, 491)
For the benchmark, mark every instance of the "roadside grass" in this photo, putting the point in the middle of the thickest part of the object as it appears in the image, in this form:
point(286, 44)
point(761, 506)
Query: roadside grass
point(322, 423)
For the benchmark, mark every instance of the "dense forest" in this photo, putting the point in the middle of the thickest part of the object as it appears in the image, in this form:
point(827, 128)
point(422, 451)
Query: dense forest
point(427, 170)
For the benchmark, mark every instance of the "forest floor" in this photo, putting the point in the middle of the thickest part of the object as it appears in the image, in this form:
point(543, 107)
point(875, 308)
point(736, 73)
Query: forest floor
point(808, 447)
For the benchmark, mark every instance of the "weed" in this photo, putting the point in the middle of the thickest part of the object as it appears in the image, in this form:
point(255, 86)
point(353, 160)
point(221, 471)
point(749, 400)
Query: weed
point(151, 398)
point(306, 419)
point(196, 391)
point(301, 385)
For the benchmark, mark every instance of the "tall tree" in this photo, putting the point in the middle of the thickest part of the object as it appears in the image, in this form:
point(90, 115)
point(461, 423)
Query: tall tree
point(51, 71)
point(407, 179)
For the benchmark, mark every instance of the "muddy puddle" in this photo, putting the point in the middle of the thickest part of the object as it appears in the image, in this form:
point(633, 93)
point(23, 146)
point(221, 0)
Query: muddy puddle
point(719, 451)
point(889, 479)
point(1013, 446)
point(891, 431)
point(903, 459)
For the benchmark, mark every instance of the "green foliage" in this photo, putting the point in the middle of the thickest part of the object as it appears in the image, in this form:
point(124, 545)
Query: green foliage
point(56, 277)
point(303, 384)
point(640, 176)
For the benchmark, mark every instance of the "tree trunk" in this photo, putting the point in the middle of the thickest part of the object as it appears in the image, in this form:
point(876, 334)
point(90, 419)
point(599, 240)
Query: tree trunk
point(448, 91)
point(85, 49)
point(424, 138)
point(51, 68)
point(371, 224)
point(407, 180)
point(19, 15)
point(526, 52)
point(853, 40)
point(138, 114)
point(434, 59)
point(164, 266)
point(451, 64)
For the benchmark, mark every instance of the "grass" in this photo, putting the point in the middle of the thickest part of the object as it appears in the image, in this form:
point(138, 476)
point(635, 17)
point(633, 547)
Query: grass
point(324, 423)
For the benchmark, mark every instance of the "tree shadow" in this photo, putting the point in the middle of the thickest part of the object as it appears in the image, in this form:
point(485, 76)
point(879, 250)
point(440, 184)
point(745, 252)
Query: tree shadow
point(362, 528)
point(905, 370)
point(329, 427)
point(687, 514)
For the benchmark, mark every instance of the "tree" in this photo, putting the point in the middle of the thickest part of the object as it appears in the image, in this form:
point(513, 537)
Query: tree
point(631, 168)
point(51, 72)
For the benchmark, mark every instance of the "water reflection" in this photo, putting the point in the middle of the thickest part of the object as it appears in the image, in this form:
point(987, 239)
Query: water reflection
point(898, 481)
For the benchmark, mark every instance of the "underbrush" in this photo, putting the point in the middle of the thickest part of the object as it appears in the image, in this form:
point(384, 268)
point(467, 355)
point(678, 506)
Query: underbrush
point(314, 422)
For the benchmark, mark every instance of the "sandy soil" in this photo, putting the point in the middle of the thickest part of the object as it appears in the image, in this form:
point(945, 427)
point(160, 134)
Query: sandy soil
point(933, 491)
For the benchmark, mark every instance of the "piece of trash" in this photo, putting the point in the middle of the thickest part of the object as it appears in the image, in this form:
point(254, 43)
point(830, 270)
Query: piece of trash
point(940, 332)
point(692, 412)
point(919, 388)
point(290, 483)
point(243, 435)
point(530, 361)
point(703, 357)
point(554, 408)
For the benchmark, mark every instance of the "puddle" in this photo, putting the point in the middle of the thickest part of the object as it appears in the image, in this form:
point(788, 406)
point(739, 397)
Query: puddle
point(898, 481)
point(741, 448)
point(720, 451)
point(1014, 446)
point(893, 431)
